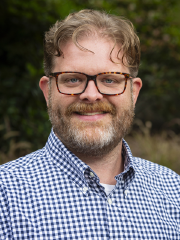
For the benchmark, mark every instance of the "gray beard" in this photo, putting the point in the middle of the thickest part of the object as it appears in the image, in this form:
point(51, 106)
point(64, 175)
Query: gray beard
point(99, 140)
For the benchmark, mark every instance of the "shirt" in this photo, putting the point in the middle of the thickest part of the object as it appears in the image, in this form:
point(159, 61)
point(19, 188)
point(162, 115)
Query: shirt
point(51, 194)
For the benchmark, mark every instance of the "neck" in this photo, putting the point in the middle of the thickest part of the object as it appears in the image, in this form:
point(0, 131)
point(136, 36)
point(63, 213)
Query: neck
point(107, 166)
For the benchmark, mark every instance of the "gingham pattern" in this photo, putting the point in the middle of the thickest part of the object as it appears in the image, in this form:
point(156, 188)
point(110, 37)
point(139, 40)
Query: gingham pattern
point(51, 194)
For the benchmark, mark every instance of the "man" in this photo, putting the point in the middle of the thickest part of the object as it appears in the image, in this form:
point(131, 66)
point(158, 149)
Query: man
point(85, 183)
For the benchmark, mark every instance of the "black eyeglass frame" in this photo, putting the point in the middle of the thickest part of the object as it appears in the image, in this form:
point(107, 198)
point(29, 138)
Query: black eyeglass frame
point(93, 78)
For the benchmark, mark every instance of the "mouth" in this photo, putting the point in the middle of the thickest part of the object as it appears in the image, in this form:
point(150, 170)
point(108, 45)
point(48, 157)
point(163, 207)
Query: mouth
point(90, 116)
point(90, 113)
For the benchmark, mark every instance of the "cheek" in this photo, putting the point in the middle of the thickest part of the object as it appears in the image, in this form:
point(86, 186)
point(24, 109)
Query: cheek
point(121, 101)
point(63, 101)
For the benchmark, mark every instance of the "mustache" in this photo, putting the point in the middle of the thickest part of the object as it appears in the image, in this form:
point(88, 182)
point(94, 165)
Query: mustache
point(91, 107)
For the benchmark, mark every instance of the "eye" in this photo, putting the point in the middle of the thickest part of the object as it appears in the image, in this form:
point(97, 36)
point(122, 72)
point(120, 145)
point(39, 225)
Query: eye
point(108, 80)
point(73, 80)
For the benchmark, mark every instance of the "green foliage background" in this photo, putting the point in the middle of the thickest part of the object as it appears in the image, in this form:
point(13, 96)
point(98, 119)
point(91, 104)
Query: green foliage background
point(23, 114)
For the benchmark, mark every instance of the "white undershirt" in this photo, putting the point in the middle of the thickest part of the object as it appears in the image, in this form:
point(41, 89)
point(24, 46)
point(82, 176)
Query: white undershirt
point(108, 188)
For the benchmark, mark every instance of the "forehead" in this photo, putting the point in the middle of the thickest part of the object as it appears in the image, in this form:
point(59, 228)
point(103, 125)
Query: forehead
point(90, 54)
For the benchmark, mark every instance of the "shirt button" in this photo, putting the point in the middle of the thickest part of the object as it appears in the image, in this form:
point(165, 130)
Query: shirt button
point(126, 192)
point(85, 189)
point(91, 174)
point(109, 201)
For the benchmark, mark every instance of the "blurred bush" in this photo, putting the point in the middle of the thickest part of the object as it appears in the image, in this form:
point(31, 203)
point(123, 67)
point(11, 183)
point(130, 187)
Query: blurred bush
point(14, 148)
point(160, 148)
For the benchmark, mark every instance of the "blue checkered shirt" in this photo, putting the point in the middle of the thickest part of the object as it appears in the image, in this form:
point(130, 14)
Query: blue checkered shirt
point(51, 194)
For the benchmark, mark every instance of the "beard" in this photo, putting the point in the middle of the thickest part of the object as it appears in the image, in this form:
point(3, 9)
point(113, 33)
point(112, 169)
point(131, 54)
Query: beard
point(90, 138)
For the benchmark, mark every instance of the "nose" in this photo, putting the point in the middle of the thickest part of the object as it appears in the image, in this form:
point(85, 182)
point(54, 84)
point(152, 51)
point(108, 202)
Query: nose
point(91, 93)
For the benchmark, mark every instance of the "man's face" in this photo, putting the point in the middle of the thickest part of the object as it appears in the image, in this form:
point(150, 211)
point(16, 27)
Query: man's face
point(91, 123)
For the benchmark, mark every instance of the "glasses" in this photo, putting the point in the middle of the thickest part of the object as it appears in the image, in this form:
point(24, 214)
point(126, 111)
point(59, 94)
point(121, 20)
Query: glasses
point(107, 83)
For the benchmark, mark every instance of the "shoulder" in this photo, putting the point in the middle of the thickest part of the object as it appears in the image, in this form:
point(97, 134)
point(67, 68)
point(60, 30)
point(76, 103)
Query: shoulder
point(23, 161)
point(159, 178)
point(155, 169)
point(153, 174)
point(22, 166)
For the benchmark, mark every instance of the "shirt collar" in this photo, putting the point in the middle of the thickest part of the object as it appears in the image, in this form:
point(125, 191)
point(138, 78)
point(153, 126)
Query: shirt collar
point(74, 168)
point(63, 158)
point(129, 160)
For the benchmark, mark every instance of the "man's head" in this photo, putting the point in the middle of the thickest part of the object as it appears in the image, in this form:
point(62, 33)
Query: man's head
point(87, 22)
point(91, 122)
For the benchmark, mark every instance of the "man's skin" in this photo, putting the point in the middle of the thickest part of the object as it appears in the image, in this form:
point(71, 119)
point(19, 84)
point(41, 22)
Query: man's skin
point(92, 62)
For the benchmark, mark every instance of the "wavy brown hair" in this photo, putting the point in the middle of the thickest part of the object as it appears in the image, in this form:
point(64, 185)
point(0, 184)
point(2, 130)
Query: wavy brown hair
point(85, 23)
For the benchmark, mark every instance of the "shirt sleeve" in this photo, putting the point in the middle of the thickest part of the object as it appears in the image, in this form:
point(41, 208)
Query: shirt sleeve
point(5, 223)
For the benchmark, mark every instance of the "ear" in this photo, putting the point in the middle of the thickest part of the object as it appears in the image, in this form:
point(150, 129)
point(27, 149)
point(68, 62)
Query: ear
point(43, 84)
point(137, 85)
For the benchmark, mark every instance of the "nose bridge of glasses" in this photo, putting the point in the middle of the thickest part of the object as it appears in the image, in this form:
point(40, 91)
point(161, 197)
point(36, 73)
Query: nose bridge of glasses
point(91, 77)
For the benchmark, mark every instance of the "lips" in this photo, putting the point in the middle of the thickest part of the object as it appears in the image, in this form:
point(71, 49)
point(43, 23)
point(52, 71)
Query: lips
point(89, 113)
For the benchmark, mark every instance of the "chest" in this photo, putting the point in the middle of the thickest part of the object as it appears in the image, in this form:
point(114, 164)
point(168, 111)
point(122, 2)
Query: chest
point(67, 211)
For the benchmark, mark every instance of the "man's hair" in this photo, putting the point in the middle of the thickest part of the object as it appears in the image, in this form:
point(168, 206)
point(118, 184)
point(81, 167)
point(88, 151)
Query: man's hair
point(85, 23)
